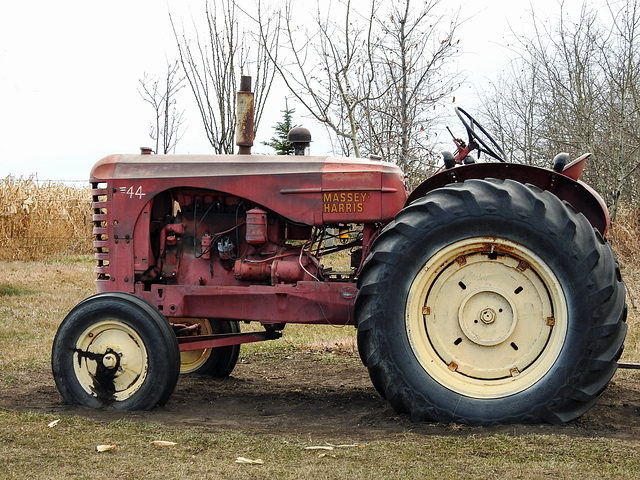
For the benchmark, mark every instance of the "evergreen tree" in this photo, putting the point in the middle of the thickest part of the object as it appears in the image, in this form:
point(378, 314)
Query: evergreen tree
point(279, 142)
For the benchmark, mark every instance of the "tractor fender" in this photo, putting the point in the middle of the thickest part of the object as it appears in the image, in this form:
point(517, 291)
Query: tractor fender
point(565, 185)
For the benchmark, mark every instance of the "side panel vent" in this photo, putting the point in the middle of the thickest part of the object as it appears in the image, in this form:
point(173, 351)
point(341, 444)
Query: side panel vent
point(100, 205)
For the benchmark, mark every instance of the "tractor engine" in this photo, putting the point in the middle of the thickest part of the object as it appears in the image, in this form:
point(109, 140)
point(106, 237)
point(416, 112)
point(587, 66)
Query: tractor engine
point(204, 238)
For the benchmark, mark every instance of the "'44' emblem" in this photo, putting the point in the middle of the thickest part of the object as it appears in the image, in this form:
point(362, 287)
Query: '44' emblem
point(133, 193)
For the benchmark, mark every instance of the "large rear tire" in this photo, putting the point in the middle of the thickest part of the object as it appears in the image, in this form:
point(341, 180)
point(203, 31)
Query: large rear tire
point(115, 349)
point(490, 302)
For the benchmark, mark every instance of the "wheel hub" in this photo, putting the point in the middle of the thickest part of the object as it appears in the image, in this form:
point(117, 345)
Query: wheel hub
point(487, 318)
point(110, 361)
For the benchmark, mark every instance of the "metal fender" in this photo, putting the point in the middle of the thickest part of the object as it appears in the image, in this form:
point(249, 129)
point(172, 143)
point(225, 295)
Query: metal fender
point(565, 185)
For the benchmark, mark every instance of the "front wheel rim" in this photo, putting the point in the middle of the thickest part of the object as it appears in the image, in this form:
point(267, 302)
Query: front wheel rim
point(486, 317)
point(110, 361)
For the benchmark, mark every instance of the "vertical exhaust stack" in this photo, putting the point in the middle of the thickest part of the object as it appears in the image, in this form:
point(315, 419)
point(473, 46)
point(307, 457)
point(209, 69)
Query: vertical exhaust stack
point(244, 117)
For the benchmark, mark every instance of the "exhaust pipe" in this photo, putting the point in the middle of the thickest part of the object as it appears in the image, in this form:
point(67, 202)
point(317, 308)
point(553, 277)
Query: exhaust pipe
point(244, 117)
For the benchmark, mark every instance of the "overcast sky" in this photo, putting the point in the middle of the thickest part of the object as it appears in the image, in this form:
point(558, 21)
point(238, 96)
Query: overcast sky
point(69, 74)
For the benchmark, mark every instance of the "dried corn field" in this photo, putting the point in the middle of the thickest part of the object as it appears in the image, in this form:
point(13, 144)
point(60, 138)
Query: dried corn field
point(39, 220)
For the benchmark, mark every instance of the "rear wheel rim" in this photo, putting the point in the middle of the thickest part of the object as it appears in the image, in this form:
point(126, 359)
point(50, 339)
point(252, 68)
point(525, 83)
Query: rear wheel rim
point(110, 360)
point(486, 317)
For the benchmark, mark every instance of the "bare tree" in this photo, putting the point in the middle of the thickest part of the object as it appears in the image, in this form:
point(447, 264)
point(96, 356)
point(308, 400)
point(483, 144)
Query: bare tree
point(161, 93)
point(549, 87)
point(621, 109)
point(329, 69)
point(510, 111)
point(213, 63)
point(416, 45)
point(575, 89)
point(373, 76)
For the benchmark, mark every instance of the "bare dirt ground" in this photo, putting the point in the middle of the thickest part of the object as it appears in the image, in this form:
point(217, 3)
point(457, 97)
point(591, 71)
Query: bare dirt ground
point(309, 394)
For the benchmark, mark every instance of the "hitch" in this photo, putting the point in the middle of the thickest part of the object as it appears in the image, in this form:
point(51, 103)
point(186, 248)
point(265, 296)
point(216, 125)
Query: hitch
point(628, 365)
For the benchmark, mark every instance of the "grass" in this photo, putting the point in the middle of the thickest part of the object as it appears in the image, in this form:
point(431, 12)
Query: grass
point(39, 295)
point(11, 290)
point(29, 449)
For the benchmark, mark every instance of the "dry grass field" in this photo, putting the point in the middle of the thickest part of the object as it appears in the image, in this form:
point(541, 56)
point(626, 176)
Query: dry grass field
point(307, 389)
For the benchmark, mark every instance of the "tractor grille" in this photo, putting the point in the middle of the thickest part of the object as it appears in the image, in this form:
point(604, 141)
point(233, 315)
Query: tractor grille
point(99, 191)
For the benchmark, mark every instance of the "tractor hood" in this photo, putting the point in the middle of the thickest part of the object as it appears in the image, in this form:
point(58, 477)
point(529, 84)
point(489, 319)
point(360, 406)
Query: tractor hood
point(310, 190)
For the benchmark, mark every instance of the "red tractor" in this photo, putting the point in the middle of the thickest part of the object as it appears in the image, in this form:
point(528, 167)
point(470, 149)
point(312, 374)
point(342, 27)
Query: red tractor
point(487, 295)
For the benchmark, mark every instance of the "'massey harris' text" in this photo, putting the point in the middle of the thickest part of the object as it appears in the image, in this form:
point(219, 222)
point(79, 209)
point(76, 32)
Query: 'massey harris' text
point(344, 202)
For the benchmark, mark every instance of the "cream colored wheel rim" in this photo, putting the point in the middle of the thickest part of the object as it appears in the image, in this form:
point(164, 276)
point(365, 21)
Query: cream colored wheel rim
point(192, 360)
point(486, 317)
point(110, 359)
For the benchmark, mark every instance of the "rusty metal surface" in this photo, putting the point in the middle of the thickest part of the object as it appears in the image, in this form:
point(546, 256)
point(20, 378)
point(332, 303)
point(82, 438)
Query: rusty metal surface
point(244, 117)
point(305, 302)
point(309, 190)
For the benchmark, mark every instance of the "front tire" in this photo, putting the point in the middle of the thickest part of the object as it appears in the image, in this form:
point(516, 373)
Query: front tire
point(490, 302)
point(115, 349)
